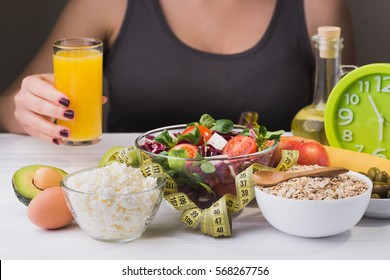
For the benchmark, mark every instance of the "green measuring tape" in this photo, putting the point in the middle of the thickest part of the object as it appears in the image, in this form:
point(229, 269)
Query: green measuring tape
point(216, 220)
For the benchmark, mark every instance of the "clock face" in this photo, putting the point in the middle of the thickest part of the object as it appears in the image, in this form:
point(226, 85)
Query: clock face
point(357, 114)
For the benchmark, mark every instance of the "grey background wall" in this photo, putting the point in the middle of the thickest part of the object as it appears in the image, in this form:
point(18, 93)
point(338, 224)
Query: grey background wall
point(24, 24)
point(371, 22)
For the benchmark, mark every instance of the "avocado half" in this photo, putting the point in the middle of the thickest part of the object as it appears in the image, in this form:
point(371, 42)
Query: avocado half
point(22, 182)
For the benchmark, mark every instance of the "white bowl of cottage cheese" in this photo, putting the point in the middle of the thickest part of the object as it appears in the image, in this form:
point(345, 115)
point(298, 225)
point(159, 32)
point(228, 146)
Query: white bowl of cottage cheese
point(315, 207)
point(114, 202)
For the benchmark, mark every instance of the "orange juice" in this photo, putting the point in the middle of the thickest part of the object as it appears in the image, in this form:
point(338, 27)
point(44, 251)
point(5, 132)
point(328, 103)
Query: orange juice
point(78, 72)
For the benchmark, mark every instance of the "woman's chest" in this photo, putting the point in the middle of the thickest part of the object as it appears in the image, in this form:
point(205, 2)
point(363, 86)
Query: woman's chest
point(219, 27)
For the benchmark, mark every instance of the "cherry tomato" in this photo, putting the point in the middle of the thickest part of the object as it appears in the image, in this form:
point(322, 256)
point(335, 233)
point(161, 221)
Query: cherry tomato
point(205, 133)
point(240, 145)
point(191, 150)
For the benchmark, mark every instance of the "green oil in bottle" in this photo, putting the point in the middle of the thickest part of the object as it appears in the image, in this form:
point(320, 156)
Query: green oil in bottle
point(309, 121)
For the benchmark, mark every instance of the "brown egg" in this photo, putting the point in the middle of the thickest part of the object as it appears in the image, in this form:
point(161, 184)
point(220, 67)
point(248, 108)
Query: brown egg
point(48, 209)
point(47, 177)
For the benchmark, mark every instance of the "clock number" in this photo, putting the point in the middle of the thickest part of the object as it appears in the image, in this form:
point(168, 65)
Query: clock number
point(378, 152)
point(387, 88)
point(359, 148)
point(347, 135)
point(379, 81)
point(346, 115)
point(352, 99)
point(364, 86)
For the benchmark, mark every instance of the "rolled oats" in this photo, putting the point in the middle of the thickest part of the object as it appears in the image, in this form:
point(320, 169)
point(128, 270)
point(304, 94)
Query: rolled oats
point(317, 188)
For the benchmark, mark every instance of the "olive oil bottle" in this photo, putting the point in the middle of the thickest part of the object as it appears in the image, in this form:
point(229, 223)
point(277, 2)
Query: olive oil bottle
point(309, 121)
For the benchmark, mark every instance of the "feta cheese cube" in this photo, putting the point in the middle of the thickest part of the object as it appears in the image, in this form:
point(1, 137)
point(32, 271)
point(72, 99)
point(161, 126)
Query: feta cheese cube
point(217, 141)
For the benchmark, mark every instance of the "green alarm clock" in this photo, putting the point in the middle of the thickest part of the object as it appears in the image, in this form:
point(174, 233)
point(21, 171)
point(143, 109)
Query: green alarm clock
point(357, 113)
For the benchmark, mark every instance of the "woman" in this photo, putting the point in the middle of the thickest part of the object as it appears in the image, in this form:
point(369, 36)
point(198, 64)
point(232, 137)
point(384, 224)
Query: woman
point(169, 61)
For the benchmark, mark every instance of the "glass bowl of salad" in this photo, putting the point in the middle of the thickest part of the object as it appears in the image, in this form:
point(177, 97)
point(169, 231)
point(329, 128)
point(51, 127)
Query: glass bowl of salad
point(204, 157)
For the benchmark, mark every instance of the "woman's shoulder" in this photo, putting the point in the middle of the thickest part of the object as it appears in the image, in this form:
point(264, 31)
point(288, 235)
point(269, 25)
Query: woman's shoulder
point(99, 18)
point(332, 12)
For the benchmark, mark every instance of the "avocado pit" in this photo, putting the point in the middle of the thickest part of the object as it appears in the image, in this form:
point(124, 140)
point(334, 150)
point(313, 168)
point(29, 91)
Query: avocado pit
point(47, 177)
point(30, 180)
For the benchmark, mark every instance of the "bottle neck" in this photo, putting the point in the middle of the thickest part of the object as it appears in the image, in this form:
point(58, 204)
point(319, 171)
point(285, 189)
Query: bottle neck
point(327, 73)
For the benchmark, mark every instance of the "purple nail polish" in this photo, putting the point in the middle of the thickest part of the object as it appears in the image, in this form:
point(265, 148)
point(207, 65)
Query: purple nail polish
point(64, 133)
point(69, 114)
point(55, 141)
point(65, 102)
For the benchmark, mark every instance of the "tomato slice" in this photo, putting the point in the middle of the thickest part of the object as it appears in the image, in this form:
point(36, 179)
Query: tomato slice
point(205, 133)
point(191, 150)
point(240, 145)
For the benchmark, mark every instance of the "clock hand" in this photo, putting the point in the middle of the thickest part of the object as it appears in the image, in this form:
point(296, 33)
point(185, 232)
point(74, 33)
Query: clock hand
point(380, 118)
point(374, 106)
point(381, 122)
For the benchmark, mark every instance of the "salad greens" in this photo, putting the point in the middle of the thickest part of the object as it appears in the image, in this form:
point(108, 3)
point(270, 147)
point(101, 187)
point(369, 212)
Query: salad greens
point(222, 126)
point(166, 139)
point(261, 135)
point(201, 177)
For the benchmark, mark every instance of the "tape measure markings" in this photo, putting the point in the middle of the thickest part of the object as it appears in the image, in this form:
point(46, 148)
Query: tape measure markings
point(216, 220)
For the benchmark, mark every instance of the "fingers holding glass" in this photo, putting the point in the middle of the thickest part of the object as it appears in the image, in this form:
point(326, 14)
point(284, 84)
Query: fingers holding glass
point(43, 127)
point(42, 86)
point(38, 104)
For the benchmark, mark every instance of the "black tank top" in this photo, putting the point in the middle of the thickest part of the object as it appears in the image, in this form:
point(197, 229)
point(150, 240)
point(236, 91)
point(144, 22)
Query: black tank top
point(155, 80)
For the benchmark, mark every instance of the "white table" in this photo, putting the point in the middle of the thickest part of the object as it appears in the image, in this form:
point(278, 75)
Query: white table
point(167, 237)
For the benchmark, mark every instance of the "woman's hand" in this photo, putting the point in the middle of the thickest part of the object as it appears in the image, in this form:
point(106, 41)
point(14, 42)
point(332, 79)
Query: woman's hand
point(38, 104)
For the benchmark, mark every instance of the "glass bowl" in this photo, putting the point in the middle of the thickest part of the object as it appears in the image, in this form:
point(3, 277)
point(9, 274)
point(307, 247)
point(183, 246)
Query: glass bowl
point(110, 215)
point(197, 182)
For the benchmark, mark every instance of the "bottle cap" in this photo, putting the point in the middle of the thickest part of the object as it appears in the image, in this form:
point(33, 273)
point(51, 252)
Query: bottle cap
point(329, 34)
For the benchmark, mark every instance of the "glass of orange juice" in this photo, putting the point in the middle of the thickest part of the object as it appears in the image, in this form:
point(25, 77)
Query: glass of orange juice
point(78, 73)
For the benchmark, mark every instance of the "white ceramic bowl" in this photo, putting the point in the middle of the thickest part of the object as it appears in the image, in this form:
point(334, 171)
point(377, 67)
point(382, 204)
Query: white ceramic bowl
point(314, 218)
point(378, 209)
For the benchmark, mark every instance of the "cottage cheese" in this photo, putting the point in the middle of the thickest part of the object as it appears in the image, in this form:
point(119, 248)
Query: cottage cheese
point(113, 202)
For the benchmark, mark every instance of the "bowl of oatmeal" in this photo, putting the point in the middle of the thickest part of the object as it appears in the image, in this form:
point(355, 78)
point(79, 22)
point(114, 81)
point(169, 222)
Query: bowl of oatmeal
point(113, 203)
point(315, 207)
